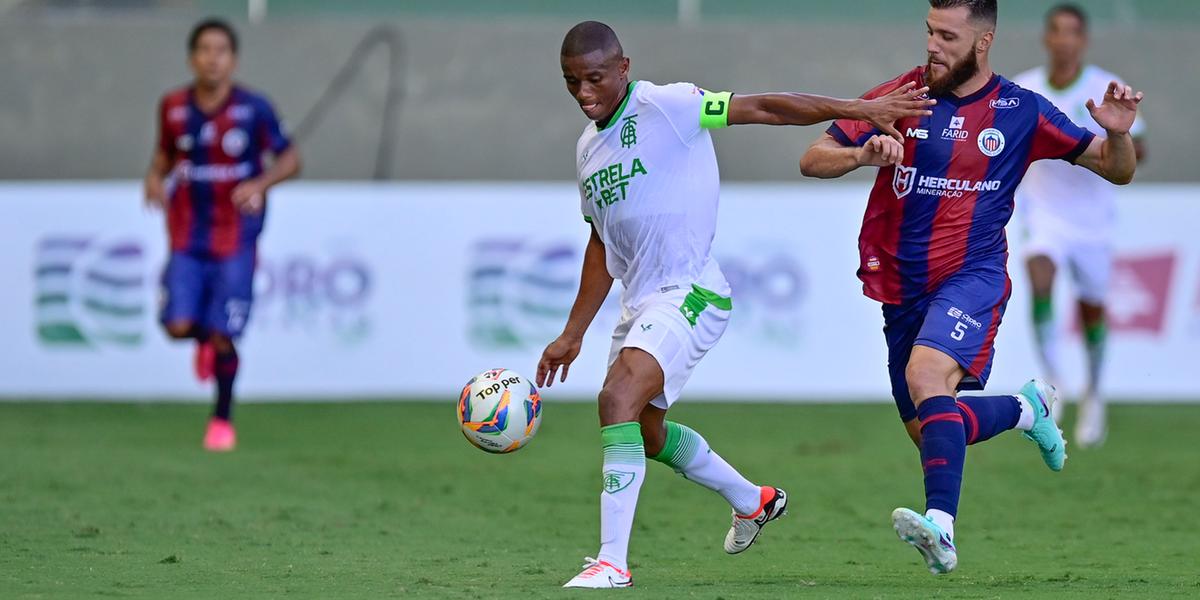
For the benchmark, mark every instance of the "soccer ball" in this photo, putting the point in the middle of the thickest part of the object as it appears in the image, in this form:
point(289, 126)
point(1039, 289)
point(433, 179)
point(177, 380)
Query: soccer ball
point(499, 410)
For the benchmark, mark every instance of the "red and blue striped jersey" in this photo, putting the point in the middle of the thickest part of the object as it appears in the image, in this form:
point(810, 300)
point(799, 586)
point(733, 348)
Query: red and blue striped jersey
point(945, 207)
point(209, 155)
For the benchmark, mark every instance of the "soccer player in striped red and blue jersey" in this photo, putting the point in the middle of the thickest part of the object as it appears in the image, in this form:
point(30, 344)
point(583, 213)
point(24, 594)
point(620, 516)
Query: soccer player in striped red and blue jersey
point(209, 175)
point(933, 248)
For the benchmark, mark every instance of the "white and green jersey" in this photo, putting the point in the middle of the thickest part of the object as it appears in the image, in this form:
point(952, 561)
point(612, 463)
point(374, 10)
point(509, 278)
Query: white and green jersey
point(1056, 194)
point(649, 184)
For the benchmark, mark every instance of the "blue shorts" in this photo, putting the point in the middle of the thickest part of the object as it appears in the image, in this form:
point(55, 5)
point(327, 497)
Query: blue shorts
point(213, 293)
point(959, 318)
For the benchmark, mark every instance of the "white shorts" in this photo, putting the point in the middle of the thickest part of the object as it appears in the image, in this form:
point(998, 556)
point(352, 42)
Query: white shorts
point(676, 340)
point(1089, 262)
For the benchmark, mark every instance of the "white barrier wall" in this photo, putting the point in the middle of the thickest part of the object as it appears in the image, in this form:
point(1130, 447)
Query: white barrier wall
point(409, 289)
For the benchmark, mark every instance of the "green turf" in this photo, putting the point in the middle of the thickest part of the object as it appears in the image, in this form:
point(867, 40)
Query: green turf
point(388, 501)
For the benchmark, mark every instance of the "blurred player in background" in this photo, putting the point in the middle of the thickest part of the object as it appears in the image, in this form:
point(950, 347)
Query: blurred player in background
point(1070, 212)
point(208, 173)
point(933, 248)
point(649, 186)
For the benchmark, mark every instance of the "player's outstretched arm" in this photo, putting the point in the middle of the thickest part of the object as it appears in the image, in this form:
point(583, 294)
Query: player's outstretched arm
point(1114, 157)
point(594, 285)
point(826, 158)
point(249, 195)
point(790, 108)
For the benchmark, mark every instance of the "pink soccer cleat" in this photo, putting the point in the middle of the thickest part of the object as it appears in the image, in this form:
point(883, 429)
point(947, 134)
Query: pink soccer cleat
point(205, 361)
point(220, 436)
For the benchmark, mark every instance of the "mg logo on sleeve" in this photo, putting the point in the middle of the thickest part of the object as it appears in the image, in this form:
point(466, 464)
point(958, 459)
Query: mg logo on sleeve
point(902, 180)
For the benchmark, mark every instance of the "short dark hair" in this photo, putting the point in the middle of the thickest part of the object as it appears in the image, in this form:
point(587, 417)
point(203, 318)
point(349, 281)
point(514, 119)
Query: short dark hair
point(1068, 8)
point(212, 24)
point(981, 10)
point(590, 36)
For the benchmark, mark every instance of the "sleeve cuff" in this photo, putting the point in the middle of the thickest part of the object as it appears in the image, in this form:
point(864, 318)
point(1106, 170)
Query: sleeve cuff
point(1079, 148)
point(836, 133)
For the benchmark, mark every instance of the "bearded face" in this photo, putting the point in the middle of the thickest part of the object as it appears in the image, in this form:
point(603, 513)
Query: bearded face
point(943, 78)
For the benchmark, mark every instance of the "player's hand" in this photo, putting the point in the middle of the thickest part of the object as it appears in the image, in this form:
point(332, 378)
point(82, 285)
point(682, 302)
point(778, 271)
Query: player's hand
point(560, 353)
point(249, 196)
point(1118, 109)
point(880, 151)
point(155, 192)
point(905, 101)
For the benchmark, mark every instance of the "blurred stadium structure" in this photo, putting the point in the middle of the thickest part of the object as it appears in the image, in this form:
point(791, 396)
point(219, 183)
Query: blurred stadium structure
point(470, 89)
point(461, 107)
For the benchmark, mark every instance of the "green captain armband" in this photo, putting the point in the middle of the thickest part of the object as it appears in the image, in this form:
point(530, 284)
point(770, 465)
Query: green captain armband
point(714, 110)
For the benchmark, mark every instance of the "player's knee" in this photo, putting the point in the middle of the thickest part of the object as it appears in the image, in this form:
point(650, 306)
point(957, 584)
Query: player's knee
point(221, 344)
point(616, 406)
point(1091, 314)
point(927, 379)
point(179, 330)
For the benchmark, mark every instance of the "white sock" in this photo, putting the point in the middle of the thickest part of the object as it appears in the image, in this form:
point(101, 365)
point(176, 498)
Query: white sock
point(942, 519)
point(624, 470)
point(688, 453)
point(1045, 336)
point(1025, 421)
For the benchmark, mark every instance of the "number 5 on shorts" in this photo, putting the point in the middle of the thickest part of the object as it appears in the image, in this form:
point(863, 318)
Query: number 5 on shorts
point(960, 331)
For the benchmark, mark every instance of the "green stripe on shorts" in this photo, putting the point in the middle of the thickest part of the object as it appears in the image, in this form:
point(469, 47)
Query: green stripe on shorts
point(699, 299)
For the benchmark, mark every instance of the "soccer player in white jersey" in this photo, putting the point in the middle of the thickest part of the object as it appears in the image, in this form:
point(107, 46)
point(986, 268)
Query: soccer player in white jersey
point(1069, 213)
point(649, 184)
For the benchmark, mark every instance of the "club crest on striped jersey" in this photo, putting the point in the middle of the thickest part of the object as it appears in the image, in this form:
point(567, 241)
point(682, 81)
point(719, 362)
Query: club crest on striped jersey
point(991, 142)
point(234, 142)
point(903, 179)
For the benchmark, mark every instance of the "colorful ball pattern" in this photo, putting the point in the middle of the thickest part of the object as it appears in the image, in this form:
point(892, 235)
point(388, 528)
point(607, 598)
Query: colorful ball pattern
point(499, 411)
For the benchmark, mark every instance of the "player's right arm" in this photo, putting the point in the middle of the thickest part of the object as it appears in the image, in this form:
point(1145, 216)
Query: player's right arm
point(852, 143)
point(594, 285)
point(154, 186)
point(808, 109)
point(160, 164)
point(827, 158)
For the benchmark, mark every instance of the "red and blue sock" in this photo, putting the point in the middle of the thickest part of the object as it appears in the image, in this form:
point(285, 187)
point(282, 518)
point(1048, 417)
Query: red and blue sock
point(943, 452)
point(985, 417)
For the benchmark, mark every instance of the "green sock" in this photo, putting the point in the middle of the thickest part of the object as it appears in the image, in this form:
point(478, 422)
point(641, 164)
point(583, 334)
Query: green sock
point(689, 454)
point(1043, 309)
point(1095, 337)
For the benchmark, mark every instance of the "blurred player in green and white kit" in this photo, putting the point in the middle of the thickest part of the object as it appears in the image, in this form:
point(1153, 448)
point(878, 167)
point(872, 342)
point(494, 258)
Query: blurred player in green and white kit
point(649, 185)
point(1070, 213)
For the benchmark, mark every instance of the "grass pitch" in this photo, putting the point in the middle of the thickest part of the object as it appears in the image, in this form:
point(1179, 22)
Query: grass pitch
point(388, 501)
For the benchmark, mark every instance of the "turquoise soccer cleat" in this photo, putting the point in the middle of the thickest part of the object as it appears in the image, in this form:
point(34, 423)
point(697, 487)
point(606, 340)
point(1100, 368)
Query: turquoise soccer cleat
point(1045, 432)
point(923, 534)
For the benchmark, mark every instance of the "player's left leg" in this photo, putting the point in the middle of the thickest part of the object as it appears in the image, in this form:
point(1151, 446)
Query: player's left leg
point(688, 453)
point(679, 330)
point(228, 312)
